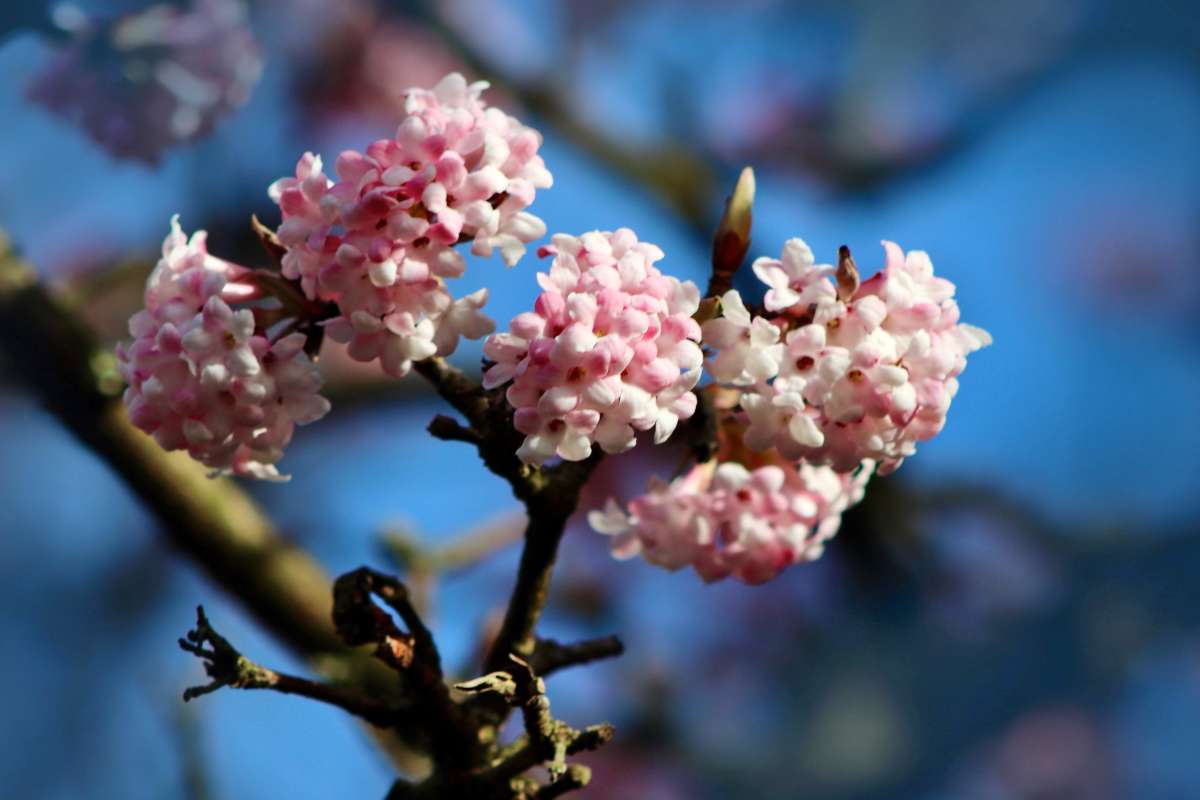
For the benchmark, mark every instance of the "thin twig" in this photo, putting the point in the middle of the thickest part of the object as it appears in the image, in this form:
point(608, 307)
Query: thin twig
point(412, 654)
point(227, 667)
point(547, 741)
point(464, 551)
point(488, 416)
point(576, 777)
point(550, 656)
point(550, 496)
point(549, 509)
point(450, 430)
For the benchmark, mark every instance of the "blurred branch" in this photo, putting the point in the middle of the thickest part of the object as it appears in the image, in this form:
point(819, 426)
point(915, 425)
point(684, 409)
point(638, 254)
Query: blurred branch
point(674, 173)
point(680, 173)
point(211, 521)
point(196, 782)
point(423, 563)
point(465, 551)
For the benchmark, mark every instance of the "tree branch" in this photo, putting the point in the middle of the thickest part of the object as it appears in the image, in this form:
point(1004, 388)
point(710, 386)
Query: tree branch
point(453, 385)
point(359, 621)
point(577, 776)
point(546, 742)
point(227, 667)
point(550, 506)
point(213, 522)
point(450, 430)
point(491, 430)
point(550, 495)
point(550, 656)
point(412, 654)
point(468, 549)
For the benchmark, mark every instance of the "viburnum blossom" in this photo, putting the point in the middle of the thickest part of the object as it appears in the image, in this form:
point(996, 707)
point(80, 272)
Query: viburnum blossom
point(379, 241)
point(609, 349)
point(866, 371)
point(151, 79)
point(202, 378)
point(728, 520)
point(831, 381)
point(748, 349)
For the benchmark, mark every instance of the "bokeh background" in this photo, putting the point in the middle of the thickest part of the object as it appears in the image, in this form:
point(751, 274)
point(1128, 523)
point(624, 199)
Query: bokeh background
point(1015, 614)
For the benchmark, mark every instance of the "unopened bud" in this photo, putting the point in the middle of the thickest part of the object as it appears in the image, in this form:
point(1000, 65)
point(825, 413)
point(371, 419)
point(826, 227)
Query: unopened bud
point(732, 240)
point(269, 240)
point(847, 275)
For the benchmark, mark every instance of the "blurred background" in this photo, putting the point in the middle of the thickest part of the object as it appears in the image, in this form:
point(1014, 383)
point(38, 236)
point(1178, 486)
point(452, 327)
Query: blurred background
point(1015, 614)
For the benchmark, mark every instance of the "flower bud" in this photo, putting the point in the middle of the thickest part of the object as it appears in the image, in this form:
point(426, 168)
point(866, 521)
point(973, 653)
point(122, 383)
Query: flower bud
point(732, 240)
point(847, 275)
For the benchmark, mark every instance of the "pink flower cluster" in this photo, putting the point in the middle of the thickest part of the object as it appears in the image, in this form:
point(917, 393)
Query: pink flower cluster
point(728, 520)
point(837, 379)
point(200, 376)
point(379, 242)
point(840, 374)
point(609, 349)
point(152, 78)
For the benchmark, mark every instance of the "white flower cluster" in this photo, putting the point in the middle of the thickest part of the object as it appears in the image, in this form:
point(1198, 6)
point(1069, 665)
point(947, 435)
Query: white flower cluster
point(609, 349)
point(200, 376)
point(728, 520)
point(379, 242)
point(835, 381)
point(839, 375)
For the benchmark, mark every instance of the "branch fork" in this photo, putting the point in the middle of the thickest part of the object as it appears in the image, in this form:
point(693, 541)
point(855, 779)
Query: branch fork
point(229, 668)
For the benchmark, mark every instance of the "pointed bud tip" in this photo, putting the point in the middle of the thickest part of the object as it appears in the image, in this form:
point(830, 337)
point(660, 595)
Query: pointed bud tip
point(740, 205)
point(847, 275)
point(732, 239)
point(745, 184)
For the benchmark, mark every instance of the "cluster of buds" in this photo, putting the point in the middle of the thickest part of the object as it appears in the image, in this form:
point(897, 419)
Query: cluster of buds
point(725, 519)
point(205, 378)
point(379, 241)
point(838, 371)
point(832, 380)
point(609, 349)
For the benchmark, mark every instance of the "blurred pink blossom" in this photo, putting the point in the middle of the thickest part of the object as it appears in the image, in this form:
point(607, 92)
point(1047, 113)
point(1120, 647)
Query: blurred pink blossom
point(147, 81)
